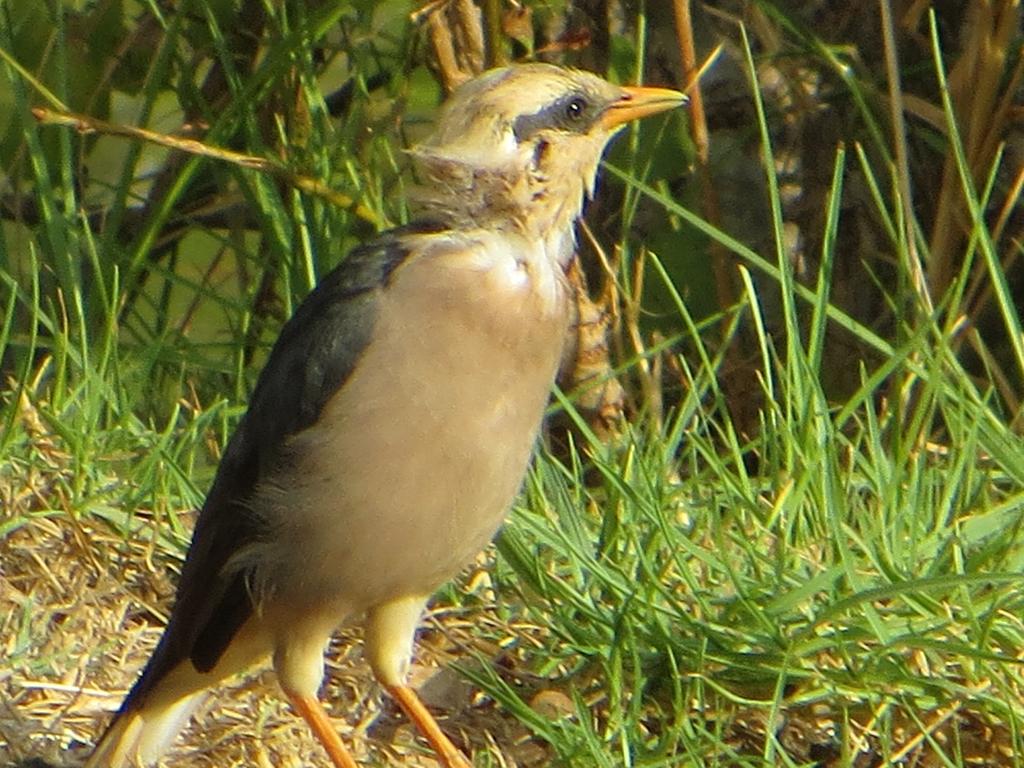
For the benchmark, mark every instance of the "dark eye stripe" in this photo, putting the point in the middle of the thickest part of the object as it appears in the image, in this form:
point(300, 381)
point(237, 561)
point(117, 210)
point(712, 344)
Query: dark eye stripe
point(575, 113)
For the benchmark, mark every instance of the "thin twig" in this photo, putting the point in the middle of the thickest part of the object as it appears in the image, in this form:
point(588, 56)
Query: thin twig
point(87, 124)
point(899, 138)
point(497, 55)
point(724, 285)
point(688, 54)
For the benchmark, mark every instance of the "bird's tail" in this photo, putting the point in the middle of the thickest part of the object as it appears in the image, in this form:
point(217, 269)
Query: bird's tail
point(138, 737)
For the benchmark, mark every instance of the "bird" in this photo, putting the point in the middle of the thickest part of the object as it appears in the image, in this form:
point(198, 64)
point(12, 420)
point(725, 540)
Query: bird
point(393, 422)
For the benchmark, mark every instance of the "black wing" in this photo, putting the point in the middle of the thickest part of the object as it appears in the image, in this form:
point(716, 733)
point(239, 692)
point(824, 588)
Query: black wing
point(311, 359)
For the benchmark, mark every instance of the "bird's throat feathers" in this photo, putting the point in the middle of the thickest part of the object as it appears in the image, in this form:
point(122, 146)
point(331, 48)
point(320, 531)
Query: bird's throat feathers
point(533, 197)
point(517, 149)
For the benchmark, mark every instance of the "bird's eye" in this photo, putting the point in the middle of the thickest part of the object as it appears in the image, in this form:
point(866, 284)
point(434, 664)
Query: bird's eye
point(576, 108)
point(570, 114)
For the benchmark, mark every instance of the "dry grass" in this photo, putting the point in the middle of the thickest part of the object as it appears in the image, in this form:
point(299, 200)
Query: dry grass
point(82, 609)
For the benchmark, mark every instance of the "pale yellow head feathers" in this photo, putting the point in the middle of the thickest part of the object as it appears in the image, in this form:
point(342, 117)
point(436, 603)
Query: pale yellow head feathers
point(521, 144)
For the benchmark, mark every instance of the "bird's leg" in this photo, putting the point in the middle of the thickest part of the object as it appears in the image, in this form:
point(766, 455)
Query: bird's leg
point(390, 628)
point(313, 713)
point(425, 723)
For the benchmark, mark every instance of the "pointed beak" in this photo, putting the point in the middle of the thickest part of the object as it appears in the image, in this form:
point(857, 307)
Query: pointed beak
point(640, 101)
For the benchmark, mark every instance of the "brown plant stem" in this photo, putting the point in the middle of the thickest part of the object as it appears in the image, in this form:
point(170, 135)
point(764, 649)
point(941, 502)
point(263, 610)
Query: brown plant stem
point(308, 184)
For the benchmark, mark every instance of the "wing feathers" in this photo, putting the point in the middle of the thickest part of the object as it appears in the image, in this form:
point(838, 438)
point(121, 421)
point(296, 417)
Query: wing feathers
point(313, 356)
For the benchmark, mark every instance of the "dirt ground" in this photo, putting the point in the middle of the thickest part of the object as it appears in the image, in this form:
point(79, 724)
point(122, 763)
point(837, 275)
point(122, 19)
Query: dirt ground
point(82, 609)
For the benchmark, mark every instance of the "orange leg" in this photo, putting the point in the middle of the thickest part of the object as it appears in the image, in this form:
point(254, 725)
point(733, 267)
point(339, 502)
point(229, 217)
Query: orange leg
point(410, 703)
point(313, 713)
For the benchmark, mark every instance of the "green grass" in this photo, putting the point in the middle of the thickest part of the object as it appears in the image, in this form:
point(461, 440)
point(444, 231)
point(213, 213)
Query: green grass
point(850, 569)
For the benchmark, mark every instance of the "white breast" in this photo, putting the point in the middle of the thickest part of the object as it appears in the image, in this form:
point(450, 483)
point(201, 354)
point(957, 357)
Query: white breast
point(415, 461)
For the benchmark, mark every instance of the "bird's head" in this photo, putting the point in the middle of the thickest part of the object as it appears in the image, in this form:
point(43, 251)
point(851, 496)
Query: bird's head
point(521, 145)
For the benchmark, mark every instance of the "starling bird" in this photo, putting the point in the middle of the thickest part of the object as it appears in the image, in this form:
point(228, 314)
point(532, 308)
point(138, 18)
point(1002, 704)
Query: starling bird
point(392, 425)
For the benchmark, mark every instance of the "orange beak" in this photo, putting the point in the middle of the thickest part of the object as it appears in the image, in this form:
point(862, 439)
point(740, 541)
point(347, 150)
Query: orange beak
point(640, 101)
